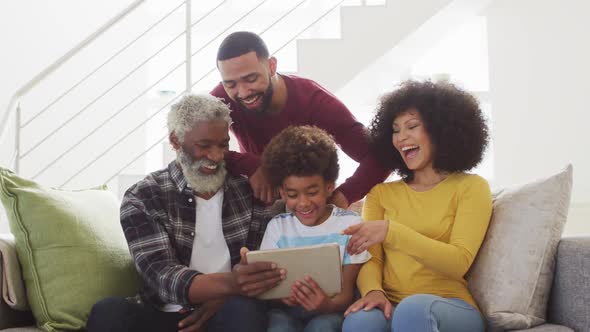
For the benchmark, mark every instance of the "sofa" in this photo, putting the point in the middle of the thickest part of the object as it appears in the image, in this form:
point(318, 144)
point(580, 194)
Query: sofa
point(68, 251)
point(569, 304)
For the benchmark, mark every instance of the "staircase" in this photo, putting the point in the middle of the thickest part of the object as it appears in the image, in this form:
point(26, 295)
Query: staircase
point(367, 33)
point(402, 29)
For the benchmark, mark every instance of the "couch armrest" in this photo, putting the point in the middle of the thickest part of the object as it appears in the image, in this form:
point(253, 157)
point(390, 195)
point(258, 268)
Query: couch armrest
point(13, 318)
point(13, 287)
point(570, 295)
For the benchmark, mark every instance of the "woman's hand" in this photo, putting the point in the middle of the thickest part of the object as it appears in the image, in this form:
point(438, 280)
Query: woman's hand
point(365, 234)
point(373, 299)
point(310, 296)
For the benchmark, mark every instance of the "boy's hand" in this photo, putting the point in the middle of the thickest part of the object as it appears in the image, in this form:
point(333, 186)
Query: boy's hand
point(373, 299)
point(256, 278)
point(290, 301)
point(310, 296)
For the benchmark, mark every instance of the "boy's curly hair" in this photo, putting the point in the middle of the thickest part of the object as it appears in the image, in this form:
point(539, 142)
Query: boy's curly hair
point(300, 151)
point(452, 118)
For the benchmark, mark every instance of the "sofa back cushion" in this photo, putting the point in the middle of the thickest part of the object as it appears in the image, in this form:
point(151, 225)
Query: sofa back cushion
point(511, 277)
point(71, 248)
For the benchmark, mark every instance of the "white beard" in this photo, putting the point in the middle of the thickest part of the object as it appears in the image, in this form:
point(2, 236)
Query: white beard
point(199, 182)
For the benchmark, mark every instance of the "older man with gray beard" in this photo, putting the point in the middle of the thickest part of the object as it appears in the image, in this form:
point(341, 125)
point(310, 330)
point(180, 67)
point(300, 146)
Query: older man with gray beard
point(187, 227)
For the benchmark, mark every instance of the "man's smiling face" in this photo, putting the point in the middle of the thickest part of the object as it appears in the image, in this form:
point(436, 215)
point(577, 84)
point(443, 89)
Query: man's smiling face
point(247, 81)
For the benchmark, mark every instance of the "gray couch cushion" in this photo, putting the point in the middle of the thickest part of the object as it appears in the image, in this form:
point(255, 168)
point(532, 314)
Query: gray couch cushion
point(547, 328)
point(570, 295)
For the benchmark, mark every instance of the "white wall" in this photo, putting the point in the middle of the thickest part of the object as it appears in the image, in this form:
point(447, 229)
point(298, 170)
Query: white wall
point(33, 34)
point(539, 80)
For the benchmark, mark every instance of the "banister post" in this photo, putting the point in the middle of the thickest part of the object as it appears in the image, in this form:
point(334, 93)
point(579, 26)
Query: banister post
point(188, 47)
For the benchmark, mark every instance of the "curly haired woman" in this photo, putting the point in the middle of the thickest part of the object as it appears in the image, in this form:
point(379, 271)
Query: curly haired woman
point(423, 231)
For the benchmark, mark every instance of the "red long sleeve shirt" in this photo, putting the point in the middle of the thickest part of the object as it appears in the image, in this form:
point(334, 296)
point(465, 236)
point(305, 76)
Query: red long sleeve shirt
point(307, 104)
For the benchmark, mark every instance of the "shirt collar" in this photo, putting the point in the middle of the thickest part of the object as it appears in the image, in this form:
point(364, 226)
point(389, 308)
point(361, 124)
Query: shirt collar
point(177, 177)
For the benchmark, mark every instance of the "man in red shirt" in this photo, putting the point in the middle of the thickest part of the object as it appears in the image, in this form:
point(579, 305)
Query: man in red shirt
point(263, 103)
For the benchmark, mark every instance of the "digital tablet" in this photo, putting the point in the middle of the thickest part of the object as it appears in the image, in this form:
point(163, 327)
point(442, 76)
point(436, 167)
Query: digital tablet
point(320, 262)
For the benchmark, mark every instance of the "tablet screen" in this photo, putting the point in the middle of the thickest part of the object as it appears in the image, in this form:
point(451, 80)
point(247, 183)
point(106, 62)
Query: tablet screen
point(320, 262)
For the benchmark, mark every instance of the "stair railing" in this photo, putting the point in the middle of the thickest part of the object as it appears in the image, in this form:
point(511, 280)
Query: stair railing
point(161, 140)
point(140, 125)
point(119, 82)
point(18, 155)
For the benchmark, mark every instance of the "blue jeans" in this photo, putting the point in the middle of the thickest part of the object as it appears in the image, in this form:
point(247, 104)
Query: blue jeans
point(296, 319)
point(419, 313)
point(116, 314)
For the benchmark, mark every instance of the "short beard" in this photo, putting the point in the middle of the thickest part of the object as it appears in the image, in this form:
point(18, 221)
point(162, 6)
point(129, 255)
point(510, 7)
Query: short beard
point(266, 99)
point(199, 182)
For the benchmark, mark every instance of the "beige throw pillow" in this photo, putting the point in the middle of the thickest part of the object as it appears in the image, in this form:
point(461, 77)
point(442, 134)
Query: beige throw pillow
point(512, 275)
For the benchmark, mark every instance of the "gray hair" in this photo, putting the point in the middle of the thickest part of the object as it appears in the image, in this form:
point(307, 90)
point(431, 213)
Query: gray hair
point(192, 108)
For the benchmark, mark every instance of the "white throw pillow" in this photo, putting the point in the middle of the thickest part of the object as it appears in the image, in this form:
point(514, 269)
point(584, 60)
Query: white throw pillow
point(511, 277)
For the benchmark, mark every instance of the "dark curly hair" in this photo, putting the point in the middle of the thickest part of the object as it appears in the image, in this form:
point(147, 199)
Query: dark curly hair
point(452, 118)
point(300, 151)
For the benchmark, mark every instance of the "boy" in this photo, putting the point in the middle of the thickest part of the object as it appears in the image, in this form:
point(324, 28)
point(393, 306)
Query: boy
point(303, 163)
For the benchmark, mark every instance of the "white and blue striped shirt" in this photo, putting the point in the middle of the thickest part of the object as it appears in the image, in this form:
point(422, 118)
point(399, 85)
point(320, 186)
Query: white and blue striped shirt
point(286, 231)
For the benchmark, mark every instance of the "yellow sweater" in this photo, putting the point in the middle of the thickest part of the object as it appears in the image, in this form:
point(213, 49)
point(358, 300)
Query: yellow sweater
point(432, 240)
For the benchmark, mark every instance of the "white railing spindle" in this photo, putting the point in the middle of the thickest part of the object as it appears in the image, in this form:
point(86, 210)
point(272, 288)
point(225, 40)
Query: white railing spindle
point(188, 36)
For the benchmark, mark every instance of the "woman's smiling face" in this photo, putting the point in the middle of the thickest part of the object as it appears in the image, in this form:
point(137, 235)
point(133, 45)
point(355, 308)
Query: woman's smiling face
point(412, 141)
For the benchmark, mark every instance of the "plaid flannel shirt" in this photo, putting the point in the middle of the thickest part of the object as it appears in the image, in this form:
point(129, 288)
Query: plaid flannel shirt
point(158, 218)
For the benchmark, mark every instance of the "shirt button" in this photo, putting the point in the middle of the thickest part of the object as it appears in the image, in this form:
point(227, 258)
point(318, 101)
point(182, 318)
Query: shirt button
point(190, 200)
point(192, 233)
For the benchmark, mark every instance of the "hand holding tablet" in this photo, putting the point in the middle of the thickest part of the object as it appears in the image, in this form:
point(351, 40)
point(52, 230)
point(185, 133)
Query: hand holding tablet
point(320, 262)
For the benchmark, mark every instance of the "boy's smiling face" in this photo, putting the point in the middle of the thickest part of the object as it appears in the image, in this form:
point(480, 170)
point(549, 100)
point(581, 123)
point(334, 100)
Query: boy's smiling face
point(307, 197)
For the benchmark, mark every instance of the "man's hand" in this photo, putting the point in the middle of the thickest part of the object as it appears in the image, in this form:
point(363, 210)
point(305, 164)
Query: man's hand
point(373, 299)
point(365, 234)
point(256, 278)
point(310, 296)
point(197, 320)
point(339, 199)
point(262, 188)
